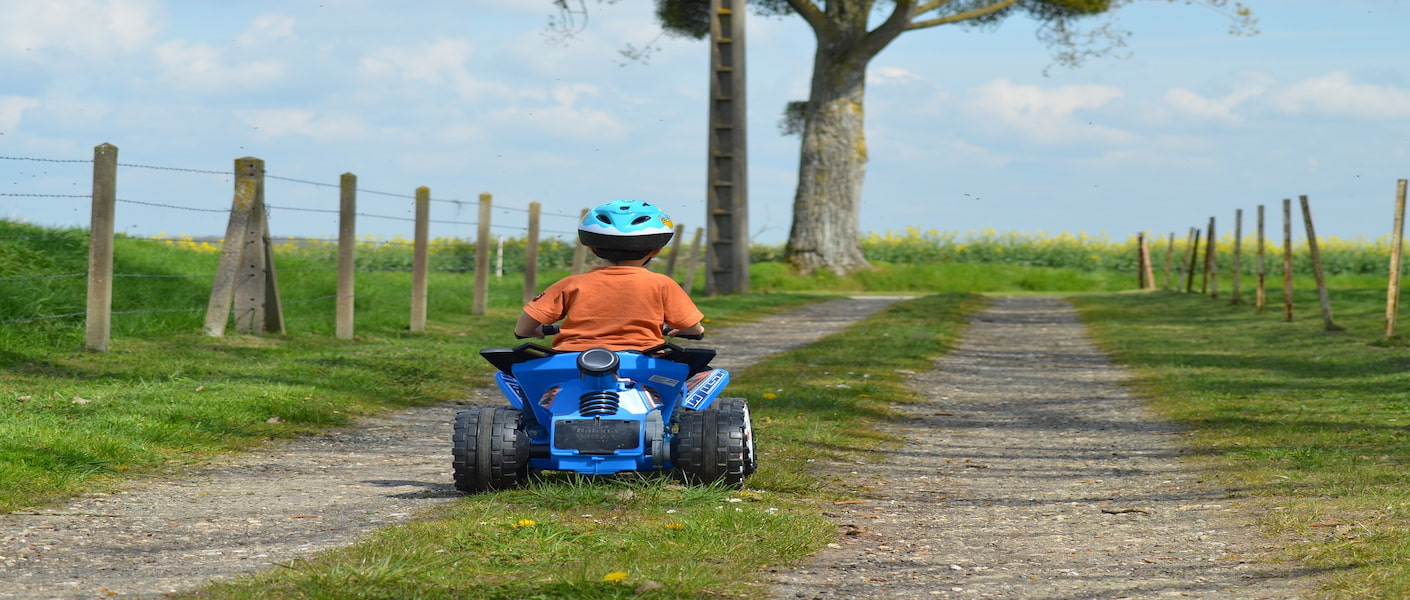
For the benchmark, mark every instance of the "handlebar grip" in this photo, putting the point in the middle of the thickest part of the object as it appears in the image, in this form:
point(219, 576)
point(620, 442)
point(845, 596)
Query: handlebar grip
point(547, 331)
point(669, 331)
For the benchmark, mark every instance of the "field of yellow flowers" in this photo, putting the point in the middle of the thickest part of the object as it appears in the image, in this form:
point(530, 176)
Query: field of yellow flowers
point(1081, 251)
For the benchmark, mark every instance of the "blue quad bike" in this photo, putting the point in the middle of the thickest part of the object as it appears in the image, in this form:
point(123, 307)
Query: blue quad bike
point(600, 412)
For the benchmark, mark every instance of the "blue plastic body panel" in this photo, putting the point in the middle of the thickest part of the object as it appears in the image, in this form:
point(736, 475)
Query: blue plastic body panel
point(548, 391)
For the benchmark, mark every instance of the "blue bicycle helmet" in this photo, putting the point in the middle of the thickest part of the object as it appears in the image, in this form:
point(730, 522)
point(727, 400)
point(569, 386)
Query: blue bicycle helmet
point(626, 225)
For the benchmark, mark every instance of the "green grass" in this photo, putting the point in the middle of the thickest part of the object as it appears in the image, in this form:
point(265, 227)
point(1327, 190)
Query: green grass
point(166, 395)
point(1312, 426)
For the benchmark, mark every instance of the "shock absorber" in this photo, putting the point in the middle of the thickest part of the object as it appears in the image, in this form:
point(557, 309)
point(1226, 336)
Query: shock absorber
point(598, 403)
point(599, 374)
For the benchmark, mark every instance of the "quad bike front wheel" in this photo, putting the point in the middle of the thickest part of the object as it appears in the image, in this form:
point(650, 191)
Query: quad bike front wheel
point(715, 444)
point(489, 449)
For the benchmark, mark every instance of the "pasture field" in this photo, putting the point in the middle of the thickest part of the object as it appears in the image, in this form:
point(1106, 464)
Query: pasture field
point(1309, 425)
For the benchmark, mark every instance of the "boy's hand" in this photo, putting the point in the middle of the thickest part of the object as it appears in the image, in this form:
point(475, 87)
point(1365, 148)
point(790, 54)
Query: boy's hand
point(689, 333)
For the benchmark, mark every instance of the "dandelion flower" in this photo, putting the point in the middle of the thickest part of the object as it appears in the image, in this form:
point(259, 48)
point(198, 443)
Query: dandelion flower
point(770, 395)
point(675, 526)
point(615, 576)
point(524, 523)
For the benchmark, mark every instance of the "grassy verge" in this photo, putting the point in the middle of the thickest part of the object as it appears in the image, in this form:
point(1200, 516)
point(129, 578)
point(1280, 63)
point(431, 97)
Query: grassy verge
point(1312, 426)
point(643, 536)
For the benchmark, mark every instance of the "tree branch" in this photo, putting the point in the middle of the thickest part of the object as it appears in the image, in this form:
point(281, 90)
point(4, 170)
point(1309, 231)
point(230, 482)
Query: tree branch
point(894, 26)
point(959, 16)
point(810, 12)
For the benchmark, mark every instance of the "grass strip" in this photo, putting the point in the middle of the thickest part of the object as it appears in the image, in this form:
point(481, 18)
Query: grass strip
point(644, 536)
point(1311, 427)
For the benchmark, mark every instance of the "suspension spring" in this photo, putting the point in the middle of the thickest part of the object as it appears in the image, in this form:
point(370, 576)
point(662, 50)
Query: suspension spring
point(594, 404)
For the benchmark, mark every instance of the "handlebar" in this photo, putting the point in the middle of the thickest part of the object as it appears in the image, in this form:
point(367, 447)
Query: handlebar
point(547, 331)
point(666, 330)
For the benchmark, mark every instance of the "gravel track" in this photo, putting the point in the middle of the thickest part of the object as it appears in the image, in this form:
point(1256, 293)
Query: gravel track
point(1031, 474)
point(292, 499)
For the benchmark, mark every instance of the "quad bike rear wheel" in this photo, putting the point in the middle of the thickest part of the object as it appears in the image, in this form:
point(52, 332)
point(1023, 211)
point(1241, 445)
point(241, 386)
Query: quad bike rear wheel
point(715, 444)
point(490, 450)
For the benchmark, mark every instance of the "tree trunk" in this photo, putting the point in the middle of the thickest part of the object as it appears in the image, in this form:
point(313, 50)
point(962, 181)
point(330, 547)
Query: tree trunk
point(832, 163)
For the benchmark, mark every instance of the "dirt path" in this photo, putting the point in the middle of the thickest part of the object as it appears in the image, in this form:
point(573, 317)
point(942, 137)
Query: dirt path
point(290, 500)
point(1033, 475)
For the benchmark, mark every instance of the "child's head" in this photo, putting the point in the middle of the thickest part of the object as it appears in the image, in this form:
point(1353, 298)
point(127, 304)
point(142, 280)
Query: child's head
point(625, 230)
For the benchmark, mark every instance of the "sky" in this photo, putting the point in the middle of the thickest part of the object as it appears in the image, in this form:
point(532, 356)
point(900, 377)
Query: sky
point(967, 129)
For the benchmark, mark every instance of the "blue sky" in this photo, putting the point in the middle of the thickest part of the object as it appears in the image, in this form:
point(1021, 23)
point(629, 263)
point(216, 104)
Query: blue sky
point(965, 131)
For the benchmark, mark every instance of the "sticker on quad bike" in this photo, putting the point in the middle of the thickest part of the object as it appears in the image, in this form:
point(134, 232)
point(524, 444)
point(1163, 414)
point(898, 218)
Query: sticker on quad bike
point(510, 385)
point(703, 386)
point(597, 436)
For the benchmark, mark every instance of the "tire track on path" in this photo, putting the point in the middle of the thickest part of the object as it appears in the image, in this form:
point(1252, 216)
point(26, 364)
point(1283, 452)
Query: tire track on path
point(1031, 474)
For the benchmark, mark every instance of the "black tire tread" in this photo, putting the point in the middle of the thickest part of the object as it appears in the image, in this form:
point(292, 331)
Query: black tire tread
point(489, 449)
point(710, 445)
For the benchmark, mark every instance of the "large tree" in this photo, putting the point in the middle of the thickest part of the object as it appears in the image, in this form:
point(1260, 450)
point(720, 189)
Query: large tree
point(850, 33)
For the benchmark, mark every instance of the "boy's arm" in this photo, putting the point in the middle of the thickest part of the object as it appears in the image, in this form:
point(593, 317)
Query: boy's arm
point(528, 327)
point(696, 329)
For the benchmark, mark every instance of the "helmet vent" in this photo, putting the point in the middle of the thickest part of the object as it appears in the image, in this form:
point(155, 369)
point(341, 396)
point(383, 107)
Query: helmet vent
point(640, 220)
point(604, 219)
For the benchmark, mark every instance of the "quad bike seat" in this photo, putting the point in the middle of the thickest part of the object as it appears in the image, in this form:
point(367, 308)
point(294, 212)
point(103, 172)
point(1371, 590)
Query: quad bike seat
point(504, 359)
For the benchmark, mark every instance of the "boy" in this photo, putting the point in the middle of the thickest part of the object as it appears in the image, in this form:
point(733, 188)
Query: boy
point(620, 306)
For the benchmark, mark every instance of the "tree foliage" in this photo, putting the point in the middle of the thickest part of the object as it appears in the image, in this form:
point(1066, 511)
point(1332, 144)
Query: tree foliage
point(850, 33)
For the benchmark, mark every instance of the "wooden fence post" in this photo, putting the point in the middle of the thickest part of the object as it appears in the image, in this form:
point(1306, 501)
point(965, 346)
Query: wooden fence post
point(1397, 244)
point(1261, 295)
point(1287, 260)
point(1141, 257)
point(1211, 266)
point(499, 256)
point(676, 241)
point(1169, 258)
point(1322, 295)
point(1194, 256)
point(580, 253)
point(100, 248)
point(691, 259)
point(482, 258)
point(420, 245)
point(1148, 272)
point(1238, 253)
point(531, 253)
point(347, 256)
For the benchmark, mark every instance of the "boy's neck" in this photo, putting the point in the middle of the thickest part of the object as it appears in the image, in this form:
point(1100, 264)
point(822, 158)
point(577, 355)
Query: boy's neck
point(641, 262)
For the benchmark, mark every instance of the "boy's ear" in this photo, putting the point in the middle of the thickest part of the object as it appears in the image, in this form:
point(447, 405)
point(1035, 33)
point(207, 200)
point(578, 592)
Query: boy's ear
point(655, 252)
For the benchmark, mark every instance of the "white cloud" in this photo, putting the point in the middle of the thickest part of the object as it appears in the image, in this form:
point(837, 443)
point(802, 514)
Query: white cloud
point(886, 75)
point(1188, 103)
point(12, 111)
point(443, 64)
point(1336, 95)
point(201, 68)
point(266, 29)
point(96, 30)
point(1045, 115)
point(564, 117)
point(302, 123)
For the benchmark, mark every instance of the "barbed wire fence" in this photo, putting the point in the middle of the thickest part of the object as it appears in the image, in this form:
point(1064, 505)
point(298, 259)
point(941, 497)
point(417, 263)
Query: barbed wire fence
point(1195, 265)
point(523, 242)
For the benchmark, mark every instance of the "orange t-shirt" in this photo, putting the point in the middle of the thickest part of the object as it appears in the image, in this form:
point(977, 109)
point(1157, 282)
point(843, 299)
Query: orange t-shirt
point(618, 308)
